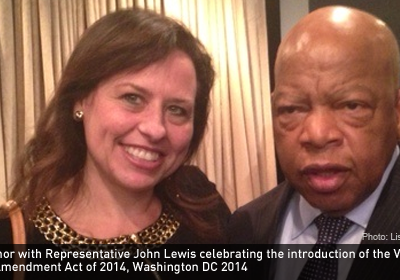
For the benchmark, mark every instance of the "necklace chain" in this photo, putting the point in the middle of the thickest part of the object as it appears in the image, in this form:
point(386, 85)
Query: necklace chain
point(57, 231)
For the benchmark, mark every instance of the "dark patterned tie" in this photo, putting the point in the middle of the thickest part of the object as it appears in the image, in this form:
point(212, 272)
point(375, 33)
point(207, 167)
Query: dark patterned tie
point(330, 230)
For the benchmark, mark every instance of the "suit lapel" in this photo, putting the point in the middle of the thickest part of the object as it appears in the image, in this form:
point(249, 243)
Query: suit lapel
point(277, 207)
point(385, 220)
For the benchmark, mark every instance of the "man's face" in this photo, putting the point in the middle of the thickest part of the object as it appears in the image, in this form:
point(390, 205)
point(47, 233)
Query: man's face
point(335, 122)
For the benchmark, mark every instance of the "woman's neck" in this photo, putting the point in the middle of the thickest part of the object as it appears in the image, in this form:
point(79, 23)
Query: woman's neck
point(104, 212)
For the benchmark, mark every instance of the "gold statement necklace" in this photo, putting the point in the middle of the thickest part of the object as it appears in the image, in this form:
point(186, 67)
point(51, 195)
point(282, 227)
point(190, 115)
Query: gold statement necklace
point(57, 231)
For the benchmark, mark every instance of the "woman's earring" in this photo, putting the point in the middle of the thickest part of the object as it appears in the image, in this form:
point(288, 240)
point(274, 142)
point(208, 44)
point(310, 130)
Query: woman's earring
point(78, 115)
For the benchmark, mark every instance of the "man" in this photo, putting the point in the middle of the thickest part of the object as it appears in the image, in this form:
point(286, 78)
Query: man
point(336, 114)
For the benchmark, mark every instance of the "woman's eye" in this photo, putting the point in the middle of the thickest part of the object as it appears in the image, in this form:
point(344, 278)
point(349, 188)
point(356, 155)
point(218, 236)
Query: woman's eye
point(132, 98)
point(178, 111)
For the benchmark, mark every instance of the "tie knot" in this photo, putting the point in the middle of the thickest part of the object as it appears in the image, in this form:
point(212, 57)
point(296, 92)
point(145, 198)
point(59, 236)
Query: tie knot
point(331, 229)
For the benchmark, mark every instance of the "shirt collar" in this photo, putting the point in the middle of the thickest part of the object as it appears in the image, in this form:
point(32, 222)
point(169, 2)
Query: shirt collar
point(305, 214)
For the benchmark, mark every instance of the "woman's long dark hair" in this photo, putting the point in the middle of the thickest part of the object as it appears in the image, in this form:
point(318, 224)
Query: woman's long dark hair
point(127, 39)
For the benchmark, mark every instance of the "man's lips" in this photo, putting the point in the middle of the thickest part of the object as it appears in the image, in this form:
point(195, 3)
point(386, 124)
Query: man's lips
point(325, 178)
point(323, 168)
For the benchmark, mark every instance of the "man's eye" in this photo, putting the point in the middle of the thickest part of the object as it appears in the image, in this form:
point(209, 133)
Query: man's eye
point(356, 112)
point(287, 110)
point(352, 105)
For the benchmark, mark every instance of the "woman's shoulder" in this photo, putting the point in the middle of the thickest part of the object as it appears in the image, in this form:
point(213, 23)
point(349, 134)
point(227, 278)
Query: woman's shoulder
point(32, 234)
point(191, 171)
point(5, 231)
point(195, 181)
point(197, 185)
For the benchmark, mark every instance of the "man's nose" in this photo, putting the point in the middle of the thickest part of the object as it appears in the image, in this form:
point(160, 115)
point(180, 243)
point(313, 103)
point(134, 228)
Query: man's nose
point(321, 130)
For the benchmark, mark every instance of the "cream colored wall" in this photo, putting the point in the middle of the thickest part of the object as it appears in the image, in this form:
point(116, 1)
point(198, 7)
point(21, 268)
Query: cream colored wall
point(291, 11)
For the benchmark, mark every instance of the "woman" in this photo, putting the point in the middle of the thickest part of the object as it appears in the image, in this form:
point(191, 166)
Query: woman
point(107, 162)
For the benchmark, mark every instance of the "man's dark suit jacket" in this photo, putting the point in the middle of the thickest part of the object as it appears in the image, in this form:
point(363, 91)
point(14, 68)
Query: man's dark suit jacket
point(259, 222)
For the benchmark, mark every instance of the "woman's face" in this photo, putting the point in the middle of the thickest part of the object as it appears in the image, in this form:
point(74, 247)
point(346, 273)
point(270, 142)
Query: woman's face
point(139, 125)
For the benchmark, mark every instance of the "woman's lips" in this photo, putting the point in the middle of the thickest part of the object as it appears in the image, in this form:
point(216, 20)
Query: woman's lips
point(143, 154)
point(325, 178)
point(144, 158)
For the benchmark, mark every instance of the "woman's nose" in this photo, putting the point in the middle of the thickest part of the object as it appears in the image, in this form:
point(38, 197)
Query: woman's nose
point(152, 126)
